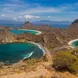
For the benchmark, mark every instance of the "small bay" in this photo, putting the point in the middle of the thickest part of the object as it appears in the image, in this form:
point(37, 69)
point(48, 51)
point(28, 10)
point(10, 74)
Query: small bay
point(14, 52)
point(75, 43)
point(24, 31)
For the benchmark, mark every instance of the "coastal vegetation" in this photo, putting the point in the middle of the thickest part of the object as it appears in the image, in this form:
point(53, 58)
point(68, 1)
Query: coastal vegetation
point(65, 61)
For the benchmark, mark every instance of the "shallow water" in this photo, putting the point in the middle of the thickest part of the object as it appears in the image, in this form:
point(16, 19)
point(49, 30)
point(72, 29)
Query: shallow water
point(14, 52)
point(24, 31)
point(75, 44)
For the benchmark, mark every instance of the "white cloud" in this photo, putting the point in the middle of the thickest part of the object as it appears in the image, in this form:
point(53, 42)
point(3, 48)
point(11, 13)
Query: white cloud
point(23, 11)
point(49, 16)
point(7, 10)
point(20, 17)
point(15, 18)
point(31, 16)
point(41, 10)
point(3, 15)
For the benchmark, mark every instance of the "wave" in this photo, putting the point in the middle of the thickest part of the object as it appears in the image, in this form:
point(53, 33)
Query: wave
point(40, 46)
point(28, 55)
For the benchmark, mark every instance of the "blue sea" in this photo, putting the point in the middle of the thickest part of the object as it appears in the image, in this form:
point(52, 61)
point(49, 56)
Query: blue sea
point(53, 25)
point(60, 26)
point(24, 31)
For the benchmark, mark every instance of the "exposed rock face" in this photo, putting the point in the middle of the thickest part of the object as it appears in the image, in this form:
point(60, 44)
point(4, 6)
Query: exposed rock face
point(72, 30)
point(6, 36)
point(74, 25)
point(27, 25)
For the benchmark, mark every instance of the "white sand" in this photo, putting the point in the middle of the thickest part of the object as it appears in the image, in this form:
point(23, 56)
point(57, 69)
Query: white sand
point(70, 43)
point(32, 30)
point(40, 46)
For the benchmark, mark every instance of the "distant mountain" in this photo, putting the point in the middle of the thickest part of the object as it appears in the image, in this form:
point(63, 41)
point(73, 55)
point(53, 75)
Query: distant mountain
point(51, 22)
point(74, 26)
point(27, 25)
point(76, 21)
point(72, 31)
point(58, 24)
point(9, 22)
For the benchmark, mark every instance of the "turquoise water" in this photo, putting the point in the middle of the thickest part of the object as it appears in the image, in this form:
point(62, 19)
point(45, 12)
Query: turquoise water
point(14, 52)
point(75, 44)
point(24, 31)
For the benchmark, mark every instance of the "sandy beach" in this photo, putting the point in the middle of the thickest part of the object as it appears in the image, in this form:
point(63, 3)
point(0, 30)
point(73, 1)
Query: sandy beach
point(70, 43)
point(40, 46)
point(32, 30)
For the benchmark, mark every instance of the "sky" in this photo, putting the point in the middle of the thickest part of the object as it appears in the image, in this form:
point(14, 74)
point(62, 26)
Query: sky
point(35, 10)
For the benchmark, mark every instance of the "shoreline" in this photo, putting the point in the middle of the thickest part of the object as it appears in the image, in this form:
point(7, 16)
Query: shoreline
point(33, 30)
point(70, 42)
point(40, 46)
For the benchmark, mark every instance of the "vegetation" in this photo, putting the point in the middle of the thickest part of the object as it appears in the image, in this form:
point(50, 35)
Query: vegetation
point(74, 67)
point(45, 58)
point(65, 61)
point(75, 52)
point(32, 61)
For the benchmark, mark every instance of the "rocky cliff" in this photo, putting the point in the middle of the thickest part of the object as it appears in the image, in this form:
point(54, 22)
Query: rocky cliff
point(6, 36)
point(72, 30)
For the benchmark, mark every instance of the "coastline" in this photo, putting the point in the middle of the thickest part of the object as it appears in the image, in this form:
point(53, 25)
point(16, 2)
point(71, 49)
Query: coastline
point(40, 46)
point(32, 30)
point(70, 42)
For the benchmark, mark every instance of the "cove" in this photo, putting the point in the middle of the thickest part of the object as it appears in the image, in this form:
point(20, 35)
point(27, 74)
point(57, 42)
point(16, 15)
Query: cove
point(21, 31)
point(14, 52)
point(75, 43)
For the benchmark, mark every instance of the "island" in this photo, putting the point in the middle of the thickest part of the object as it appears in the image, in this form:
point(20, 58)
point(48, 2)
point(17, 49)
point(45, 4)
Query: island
point(44, 50)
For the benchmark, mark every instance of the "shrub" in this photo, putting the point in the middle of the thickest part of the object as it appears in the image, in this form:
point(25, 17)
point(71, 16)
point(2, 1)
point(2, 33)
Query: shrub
point(32, 61)
point(63, 60)
point(74, 67)
point(45, 58)
point(75, 52)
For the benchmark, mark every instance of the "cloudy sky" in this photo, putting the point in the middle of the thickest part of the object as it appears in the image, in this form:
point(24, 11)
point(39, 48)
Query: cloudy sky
point(33, 10)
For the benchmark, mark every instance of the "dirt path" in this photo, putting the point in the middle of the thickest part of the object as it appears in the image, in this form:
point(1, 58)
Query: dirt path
point(49, 57)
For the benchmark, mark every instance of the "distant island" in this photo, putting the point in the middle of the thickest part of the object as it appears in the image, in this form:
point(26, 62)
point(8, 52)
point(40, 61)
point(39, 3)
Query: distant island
point(17, 24)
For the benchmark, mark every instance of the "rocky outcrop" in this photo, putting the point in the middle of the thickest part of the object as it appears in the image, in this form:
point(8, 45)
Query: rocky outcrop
point(72, 30)
point(27, 25)
point(74, 26)
point(6, 36)
point(1, 27)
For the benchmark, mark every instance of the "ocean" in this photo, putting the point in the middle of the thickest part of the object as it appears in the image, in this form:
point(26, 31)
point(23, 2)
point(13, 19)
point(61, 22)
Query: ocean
point(53, 25)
